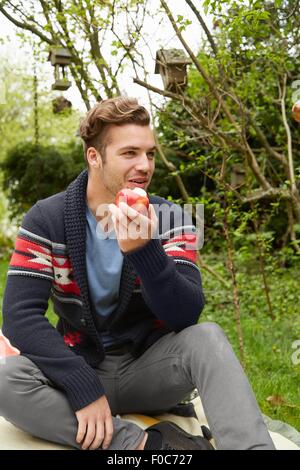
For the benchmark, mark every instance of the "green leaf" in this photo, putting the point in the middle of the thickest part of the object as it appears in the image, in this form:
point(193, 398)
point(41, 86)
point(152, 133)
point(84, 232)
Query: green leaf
point(297, 228)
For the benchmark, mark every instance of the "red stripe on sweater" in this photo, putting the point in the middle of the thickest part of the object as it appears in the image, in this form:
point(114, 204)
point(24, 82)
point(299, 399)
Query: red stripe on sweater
point(63, 276)
point(182, 246)
point(31, 256)
point(34, 257)
point(22, 244)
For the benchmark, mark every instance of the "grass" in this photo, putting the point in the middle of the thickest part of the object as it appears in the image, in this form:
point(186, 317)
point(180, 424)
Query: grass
point(268, 343)
point(3, 271)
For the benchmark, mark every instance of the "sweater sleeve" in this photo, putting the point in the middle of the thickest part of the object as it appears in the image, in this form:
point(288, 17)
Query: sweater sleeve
point(170, 278)
point(25, 302)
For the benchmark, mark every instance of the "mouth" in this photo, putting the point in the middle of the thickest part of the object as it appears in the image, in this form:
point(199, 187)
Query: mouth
point(137, 183)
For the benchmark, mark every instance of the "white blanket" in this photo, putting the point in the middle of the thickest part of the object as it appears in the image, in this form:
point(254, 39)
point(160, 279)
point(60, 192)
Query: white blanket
point(12, 438)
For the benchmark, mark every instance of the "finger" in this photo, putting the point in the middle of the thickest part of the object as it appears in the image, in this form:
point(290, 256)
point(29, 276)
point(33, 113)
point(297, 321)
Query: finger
point(130, 212)
point(122, 218)
point(122, 224)
point(125, 227)
point(145, 228)
point(98, 437)
point(90, 435)
point(134, 229)
point(112, 208)
point(109, 430)
point(81, 431)
point(146, 222)
point(117, 214)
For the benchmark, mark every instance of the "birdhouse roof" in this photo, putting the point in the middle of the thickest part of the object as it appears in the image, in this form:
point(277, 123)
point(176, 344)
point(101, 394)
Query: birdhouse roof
point(60, 52)
point(170, 57)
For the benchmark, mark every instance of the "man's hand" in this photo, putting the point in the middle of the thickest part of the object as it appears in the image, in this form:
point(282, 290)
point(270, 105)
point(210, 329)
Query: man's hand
point(95, 425)
point(133, 229)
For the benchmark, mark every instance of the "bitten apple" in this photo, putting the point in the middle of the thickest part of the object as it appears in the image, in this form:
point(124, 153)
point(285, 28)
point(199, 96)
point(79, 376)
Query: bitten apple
point(136, 198)
point(296, 111)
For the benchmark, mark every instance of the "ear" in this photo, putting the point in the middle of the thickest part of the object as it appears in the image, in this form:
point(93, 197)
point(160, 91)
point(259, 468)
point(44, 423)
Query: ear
point(93, 158)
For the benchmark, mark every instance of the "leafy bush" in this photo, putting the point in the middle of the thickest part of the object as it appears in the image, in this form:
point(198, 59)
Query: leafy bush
point(32, 172)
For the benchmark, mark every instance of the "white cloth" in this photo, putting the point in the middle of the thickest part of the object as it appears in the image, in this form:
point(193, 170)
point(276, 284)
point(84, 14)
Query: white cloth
point(12, 438)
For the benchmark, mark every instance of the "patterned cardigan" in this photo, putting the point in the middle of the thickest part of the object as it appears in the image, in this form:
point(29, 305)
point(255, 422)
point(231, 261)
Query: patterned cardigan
point(160, 291)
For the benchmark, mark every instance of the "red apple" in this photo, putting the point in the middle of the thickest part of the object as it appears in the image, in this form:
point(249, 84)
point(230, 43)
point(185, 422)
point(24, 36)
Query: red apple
point(136, 198)
point(296, 111)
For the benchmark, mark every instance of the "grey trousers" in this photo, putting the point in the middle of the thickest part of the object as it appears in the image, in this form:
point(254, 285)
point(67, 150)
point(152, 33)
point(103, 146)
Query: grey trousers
point(198, 357)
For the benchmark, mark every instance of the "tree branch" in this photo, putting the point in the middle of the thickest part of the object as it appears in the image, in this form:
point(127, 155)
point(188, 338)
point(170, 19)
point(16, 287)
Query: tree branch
point(168, 94)
point(99, 60)
point(26, 26)
point(258, 194)
point(251, 158)
point(289, 137)
point(196, 114)
point(296, 7)
point(61, 19)
point(261, 136)
point(203, 24)
point(170, 166)
point(199, 67)
point(45, 7)
point(82, 91)
point(291, 228)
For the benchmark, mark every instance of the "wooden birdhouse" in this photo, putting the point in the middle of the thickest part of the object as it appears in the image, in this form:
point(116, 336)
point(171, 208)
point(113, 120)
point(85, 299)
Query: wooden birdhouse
point(171, 65)
point(60, 58)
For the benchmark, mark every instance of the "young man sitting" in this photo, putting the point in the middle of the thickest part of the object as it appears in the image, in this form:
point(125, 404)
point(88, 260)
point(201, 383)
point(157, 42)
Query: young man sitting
point(127, 340)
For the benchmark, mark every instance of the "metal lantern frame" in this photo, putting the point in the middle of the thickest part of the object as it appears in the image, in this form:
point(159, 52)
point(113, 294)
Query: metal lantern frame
point(60, 58)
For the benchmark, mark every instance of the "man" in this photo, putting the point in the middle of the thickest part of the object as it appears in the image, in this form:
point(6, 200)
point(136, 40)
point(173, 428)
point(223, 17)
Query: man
point(127, 338)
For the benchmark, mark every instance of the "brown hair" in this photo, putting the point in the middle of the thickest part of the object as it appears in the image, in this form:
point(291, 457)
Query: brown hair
point(118, 111)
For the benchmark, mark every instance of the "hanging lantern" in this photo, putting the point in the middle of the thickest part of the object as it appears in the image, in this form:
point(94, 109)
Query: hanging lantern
point(60, 57)
point(171, 65)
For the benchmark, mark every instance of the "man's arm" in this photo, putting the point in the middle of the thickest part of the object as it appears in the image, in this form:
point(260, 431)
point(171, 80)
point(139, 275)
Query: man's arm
point(171, 287)
point(170, 278)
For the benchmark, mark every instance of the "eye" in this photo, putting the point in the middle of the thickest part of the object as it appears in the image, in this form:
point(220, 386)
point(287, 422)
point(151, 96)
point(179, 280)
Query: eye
point(151, 154)
point(129, 152)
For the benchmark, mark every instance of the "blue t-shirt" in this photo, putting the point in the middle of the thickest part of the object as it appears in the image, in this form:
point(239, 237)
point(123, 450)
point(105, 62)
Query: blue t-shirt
point(104, 262)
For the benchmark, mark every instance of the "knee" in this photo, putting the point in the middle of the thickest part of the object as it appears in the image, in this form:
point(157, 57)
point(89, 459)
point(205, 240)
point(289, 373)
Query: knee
point(206, 334)
point(10, 370)
point(5, 372)
point(210, 330)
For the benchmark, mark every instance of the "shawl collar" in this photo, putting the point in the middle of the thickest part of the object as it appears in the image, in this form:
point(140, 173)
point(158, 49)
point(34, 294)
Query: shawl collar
point(75, 227)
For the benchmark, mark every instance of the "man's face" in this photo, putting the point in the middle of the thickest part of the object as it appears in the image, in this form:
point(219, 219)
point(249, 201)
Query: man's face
point(129, 160)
